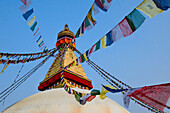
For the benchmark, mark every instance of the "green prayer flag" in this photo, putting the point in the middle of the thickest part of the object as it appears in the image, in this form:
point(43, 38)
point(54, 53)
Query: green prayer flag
point(33, 27)
point(136, 17)
point(97, 46)
point(77, 96)
point(95, 92)
point(78, 33)
point(82, 58)
point(87, 23)
point(41, 43)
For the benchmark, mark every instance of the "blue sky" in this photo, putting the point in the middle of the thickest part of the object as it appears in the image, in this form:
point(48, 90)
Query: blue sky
point(140, 59)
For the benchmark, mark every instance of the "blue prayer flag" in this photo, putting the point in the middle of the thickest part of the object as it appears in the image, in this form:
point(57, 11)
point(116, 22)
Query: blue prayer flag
point(109, 39)
point(162, 4)
point(28, 14)
point(38, 39)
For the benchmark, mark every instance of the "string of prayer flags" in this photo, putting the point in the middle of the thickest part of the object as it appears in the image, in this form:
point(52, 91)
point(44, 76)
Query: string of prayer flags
point(125, 28)
point(28, 14)
point(19, 73)
point(103, 4)
point(86, 24)
point(32, 23)
point(135, 19)
point(156, 95)
point(149, 8)
point(24, 1)
point(162, 4)
point(82, 98)
point(24, 8)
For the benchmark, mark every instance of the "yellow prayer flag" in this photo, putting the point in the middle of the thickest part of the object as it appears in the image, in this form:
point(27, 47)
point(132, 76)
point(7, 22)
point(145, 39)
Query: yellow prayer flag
point(31, 21)
point(89, 15)
point(39, 41)
point(149, 8)
point(74, 63)
point(4, 68)
point(104, 91)
point(64, 82)
point(85, 56)
point(103, 42)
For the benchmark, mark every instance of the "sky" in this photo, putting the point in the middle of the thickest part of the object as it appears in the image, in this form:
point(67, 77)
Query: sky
point(141, 59)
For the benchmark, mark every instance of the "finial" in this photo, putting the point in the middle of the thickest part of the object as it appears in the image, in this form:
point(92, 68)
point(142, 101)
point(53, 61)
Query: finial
point(66, 27)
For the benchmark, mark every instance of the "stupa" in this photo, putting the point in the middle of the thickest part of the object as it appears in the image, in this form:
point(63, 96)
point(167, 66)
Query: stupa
point(53, 98)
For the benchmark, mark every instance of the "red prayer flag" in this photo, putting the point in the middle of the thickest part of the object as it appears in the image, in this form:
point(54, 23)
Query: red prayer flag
point(125, 28)
point(90, 98)
point(24, 1)
point(91, 50)
point(36, 31)
point(109, 1)
point(156, 95)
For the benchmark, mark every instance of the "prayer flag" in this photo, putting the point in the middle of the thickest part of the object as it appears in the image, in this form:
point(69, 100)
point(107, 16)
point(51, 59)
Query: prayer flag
point(103, 42)
point(38, 39)
point(91, 49)
point(87, 23)
point(90, 98)
point(135, 19)
point(74, 63)
point(77, 61)
point(24, 8)
point(116, 33)
point(162, 4)
point(31, 21)
point(96, 9)
point(28, 14)
point(40, 43)
point(36, 31)
point(89, 15)
point(149, 8)
point(126, 98)
point(125, 28)
point(33, 27)
point(85, 96)
point(82, 58)
point(87, 53)
point(156, 95)
point(104, 91)
point(95, 92)
point(109, 38)
point(111, 89)
point(103, 4)
point(97, 45)
point(78, 33)
point(24, 1)
point(85, 57)
point(82, 28)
